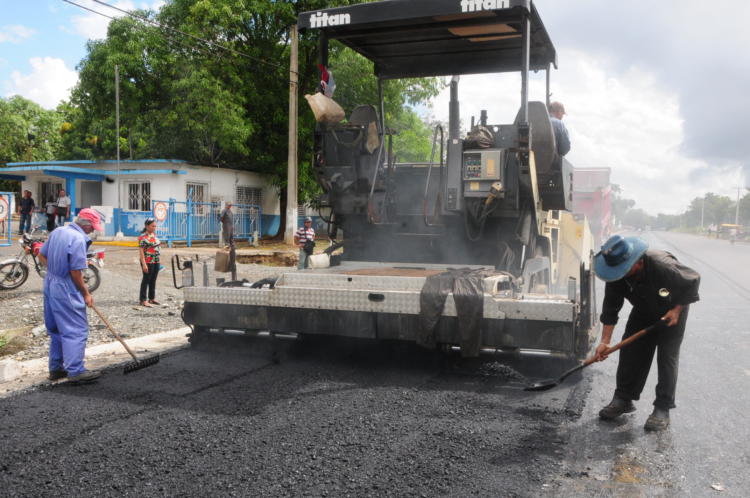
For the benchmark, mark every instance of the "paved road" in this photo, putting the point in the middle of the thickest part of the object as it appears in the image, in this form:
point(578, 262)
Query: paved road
point(709, 440)
point(366, 420)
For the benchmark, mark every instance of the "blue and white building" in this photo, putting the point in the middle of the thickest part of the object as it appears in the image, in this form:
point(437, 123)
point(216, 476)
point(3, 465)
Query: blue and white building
point(187, 195)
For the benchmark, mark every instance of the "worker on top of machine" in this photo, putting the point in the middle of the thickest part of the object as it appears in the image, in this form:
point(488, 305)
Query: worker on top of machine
point(556, 113)
point(66, 297)
point(660, 288)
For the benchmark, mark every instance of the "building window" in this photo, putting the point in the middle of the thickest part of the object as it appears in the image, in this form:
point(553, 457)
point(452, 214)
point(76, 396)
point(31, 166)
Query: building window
point(47, 189)
point(301, 210)
point(196, 192)
point(139, 196)
point(249, 195)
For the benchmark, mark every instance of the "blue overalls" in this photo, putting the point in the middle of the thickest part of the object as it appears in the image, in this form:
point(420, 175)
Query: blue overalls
point(64, 307)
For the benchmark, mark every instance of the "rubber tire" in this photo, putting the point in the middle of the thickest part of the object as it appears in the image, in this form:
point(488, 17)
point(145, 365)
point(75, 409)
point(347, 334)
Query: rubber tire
point(16, 284)
point(91, 278)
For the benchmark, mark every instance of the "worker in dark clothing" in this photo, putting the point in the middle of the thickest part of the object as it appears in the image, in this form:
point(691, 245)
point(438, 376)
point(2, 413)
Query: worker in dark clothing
point(27, 210)
point(660, 288)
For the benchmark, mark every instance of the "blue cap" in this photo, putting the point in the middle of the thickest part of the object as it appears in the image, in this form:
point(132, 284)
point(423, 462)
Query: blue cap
point(617, 257)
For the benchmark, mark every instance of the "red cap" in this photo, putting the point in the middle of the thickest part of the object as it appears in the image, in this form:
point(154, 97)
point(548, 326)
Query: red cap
point(92, 217)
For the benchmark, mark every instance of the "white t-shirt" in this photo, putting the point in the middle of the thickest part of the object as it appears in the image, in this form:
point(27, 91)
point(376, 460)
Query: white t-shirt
point(63, 201)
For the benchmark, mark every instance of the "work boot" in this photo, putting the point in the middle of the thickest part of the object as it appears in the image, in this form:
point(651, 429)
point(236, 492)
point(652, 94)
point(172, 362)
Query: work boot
point(658, 420)
point(86, 376)
point(615, 408)
point(57, 374)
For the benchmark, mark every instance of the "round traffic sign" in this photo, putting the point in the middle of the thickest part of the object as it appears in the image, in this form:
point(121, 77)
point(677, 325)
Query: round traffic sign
point(3, 208)
point(160, 211)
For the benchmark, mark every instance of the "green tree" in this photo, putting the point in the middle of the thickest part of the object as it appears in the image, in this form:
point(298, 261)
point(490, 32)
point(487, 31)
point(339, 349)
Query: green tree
point(182, 98)
point(638, 218)
point(29, 133)
point(620, 206)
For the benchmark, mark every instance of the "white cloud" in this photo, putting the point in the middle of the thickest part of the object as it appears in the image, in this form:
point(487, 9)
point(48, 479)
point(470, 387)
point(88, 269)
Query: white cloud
point(94, 26)
point(49, 82)
point(15, 33)
point(626, 121)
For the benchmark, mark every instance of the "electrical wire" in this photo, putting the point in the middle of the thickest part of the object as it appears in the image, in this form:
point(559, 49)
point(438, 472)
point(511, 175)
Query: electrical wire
point(197, 38)
point(164, 27)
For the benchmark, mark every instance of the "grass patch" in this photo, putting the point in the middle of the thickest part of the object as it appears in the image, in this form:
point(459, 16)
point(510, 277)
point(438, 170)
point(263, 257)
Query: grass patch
point(3, 341)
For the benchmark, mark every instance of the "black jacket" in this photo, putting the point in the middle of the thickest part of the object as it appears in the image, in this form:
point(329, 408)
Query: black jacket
point(661, 270)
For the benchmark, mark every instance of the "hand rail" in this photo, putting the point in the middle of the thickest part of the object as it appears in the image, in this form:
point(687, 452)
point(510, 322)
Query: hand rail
point(425, 202)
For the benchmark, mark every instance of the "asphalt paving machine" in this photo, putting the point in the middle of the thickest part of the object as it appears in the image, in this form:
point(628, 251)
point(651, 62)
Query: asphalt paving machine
point(475, 249)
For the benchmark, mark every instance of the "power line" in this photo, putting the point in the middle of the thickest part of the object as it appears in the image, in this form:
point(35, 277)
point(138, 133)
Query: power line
point(165, 36)
point(203, 40)
point(164, 27)
point(86, 8)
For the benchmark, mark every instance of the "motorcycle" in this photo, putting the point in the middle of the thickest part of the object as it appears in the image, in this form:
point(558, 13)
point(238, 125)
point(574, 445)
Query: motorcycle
point(15, 271)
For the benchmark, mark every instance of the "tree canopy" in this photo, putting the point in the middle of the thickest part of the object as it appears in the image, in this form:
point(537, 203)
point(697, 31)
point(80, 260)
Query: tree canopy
point(185, 99)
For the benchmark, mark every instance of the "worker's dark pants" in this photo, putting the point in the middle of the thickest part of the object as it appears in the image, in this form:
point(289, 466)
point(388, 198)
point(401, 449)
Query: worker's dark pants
point(25, 225)
point(227, 233)
point(148, 282)
point(636, 358)
point(50, 222)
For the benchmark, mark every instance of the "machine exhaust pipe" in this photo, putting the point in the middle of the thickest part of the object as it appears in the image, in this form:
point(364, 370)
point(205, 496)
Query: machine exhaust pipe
point(454, 115)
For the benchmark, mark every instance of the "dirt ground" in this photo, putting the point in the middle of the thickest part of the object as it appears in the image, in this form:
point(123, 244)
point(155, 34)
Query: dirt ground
point(22, 322)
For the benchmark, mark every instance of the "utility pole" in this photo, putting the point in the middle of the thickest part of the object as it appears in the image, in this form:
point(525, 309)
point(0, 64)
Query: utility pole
point(118, 210)
point(737, 210)
point(291, 184)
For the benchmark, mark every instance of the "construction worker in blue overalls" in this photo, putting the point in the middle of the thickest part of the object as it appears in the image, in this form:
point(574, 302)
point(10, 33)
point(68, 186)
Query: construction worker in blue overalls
point(66, 297)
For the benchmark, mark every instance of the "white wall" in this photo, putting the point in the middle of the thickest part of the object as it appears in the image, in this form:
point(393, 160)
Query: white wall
point(220, 182)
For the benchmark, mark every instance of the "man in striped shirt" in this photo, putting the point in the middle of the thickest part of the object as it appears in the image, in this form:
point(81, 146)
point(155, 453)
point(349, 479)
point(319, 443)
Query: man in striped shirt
point(305, 235)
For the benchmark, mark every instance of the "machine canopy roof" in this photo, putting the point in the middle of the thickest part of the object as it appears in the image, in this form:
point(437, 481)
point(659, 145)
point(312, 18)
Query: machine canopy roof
point(418, 38)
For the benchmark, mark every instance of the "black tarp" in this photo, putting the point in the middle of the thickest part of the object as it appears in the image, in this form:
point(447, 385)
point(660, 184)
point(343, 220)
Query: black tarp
point(467, 286)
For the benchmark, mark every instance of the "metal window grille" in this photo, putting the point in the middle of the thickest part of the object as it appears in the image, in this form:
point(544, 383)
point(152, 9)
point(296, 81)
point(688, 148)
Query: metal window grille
point(139, 196)
point(301, 210)
point(196, 192)
point(248, 195)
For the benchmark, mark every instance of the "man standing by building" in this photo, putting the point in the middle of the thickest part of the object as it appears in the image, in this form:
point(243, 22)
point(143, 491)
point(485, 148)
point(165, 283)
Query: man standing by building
point(27, 210)
point(660, 288)
point(305, 240)
point(66, 297)
point(556, 113)
point(227, 224)
point(63, 208)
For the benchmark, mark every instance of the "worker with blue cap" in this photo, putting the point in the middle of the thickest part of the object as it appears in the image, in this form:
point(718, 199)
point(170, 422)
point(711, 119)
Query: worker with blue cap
point(66, 297)
point(660, 288)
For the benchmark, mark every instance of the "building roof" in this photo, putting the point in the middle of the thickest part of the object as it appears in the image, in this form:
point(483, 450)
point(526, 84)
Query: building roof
point(74, 169)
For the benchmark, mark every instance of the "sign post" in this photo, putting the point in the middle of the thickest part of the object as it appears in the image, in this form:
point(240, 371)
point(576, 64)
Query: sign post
point(5, 228)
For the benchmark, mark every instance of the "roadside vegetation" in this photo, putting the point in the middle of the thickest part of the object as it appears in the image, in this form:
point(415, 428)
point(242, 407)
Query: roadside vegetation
point(182, 98)
point(702, 212)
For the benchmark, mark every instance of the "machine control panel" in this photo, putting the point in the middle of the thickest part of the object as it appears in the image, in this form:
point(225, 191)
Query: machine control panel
point(482, 169)
point(484, 164)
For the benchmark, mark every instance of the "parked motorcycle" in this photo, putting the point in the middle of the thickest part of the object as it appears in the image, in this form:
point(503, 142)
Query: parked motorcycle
point(15, 271)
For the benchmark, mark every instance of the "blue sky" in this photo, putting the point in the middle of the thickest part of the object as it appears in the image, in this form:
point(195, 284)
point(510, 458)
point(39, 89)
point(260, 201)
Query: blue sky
point(42, 42)
point(51, 33)
point(659, 98)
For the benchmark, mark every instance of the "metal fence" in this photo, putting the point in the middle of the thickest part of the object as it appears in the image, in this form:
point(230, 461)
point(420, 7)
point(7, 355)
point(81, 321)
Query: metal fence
point(6, 234)
point(188, 221)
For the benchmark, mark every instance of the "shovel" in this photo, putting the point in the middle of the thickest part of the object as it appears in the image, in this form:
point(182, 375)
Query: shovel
point(136, 364)
point(550, 383)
